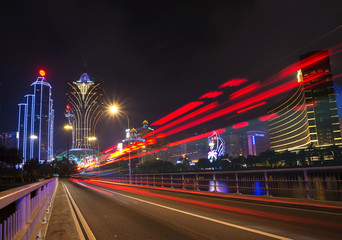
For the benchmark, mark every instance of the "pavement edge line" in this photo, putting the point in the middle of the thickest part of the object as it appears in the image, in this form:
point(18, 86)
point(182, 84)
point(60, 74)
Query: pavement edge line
point(77, 224)
point(85, 226)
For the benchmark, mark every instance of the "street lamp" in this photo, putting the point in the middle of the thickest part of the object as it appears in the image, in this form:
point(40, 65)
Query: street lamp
point(115, 110)
point(68, 128)
point(91, 139)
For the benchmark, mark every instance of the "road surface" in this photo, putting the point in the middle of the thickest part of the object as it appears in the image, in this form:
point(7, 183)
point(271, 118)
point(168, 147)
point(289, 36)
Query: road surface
point(122, 212)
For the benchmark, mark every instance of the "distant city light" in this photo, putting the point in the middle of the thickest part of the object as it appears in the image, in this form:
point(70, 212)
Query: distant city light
point(42, 73)
point(92, 138)
point(67, 127)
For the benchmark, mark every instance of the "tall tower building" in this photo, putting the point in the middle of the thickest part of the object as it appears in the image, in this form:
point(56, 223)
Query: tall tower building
point(85, 103)
point(320, 99)
point(36, 121)
point(309, 115)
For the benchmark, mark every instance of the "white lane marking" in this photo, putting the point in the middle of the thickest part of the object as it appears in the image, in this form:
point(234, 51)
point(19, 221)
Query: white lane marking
point(78, 228)
point(89, 233)
point(206, 218)
point(234, 200)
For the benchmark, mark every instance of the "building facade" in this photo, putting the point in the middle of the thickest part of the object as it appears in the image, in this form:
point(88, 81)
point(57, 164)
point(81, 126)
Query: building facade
point(309, 115)
point(290, 128)
point(320, 99)
point(257, 142)
point(85, 103)
point(36, 123)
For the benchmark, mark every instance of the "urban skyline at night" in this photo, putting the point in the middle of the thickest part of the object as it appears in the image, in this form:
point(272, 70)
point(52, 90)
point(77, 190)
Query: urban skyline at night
point(171, 120)
point(132, 66)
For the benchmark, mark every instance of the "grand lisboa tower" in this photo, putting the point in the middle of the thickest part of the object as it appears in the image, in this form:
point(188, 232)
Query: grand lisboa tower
point(85, 103)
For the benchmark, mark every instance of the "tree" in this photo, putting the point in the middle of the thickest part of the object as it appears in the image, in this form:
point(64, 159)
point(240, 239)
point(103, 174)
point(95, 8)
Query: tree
point(64, 167)
point(9, 157)
point(203, 163)
point(31, 168)
point(270, 158)
point(289, 158)
point(238, 162)
point(253, 161)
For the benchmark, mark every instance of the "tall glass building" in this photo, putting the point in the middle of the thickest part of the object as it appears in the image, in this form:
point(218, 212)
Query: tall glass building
point(84, 109)
point(35, 123)
point(309, 116)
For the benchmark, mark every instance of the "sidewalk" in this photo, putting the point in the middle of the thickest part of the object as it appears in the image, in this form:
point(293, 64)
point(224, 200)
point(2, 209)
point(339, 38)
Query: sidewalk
point(61, 225)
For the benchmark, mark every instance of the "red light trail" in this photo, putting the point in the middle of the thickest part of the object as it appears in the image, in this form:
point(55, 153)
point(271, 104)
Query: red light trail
point(177, 113)
point(240, 125)
point(182, 119)
point(311, 60)
point(245, 90)
point(268, 117)
point(251, 107)
point(204, 135)
point(213, 94)
point(212, 206)
point(233, 83)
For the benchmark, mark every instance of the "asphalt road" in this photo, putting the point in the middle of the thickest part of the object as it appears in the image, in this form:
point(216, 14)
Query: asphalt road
point(121, 212)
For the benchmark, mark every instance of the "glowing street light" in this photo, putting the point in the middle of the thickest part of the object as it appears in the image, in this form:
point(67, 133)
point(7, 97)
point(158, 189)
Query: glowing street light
point(92, 139)
point(68, 128)
point(115, 110)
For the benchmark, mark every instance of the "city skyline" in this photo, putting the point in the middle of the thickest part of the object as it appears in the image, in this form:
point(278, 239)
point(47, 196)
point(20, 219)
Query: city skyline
point(135, 57)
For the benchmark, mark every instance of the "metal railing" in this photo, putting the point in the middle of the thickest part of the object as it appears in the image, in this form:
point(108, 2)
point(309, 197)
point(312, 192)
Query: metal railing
point(320, 183)
point(24, 210)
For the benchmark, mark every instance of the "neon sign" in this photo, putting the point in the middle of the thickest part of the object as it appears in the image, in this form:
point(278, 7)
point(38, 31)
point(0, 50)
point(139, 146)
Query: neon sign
point(217, 146)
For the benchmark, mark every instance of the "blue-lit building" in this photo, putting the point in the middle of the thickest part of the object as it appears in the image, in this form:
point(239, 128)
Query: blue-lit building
point(257, 142)
point(35, 123)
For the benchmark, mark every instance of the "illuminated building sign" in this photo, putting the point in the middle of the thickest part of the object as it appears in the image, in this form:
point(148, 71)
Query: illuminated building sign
point(216, 145)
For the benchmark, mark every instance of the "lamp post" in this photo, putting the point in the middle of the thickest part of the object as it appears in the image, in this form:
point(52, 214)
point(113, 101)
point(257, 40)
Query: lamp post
point(91, 139)
point(114, 110)
point(68, 128)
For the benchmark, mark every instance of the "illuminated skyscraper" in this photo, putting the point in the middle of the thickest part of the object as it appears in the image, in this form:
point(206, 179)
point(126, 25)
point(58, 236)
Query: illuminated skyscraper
point(289, 129)
point(84, 108)
point(320, 99)
point(36, 121)
point(309, 114)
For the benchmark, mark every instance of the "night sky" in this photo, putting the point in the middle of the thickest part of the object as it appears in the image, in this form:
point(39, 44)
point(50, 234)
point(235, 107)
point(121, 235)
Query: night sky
point(154, 56)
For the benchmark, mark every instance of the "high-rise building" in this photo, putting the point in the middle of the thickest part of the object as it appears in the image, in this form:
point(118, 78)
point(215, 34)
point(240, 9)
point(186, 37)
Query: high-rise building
point(257, 142)
point(234, 143)
point(85, 103)
point(310, 114)
point(36, 121)
point(289, 129)
point(320, 99)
